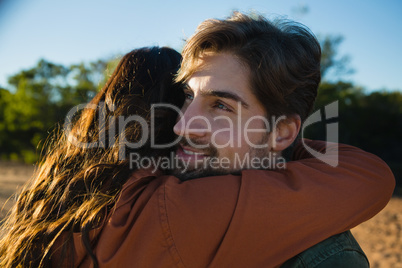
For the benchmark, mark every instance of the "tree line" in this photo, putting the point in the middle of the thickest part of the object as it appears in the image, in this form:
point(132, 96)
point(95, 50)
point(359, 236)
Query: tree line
point(37, 100)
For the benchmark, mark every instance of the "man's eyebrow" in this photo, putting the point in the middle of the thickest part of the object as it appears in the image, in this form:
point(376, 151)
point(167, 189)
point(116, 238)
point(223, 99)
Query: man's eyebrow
point(186, 87)
point(224, 94)
point(219, 93)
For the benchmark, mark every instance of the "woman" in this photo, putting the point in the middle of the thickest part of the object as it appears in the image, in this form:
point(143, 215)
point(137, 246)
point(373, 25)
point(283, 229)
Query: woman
point(76, 185)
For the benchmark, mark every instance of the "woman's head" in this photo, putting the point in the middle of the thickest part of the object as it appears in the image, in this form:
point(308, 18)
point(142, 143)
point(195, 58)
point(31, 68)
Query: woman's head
point(76, 184)
point(116, 117)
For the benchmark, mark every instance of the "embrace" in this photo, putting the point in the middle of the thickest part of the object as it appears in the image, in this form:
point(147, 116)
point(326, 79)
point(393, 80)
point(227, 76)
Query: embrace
point(195, 160)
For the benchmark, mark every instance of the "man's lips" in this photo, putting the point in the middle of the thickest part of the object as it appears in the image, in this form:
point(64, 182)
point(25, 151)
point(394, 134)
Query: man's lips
point(188, 153)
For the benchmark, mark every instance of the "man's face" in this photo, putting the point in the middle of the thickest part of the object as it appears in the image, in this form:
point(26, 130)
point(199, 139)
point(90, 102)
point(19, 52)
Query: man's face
point(222, 120)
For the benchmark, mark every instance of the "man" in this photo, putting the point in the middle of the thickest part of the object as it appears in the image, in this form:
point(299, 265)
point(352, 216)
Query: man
point(250, 218)
point(249, 85)
point(240, 74)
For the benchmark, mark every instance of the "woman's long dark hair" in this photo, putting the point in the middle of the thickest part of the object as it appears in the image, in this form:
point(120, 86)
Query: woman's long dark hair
point(76, 184)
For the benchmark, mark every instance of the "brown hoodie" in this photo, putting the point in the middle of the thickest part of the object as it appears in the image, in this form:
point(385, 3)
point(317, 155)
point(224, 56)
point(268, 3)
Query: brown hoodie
point(260, 218)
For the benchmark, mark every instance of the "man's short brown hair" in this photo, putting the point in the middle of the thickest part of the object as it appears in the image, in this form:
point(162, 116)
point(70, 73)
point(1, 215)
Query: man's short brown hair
point(283, 58)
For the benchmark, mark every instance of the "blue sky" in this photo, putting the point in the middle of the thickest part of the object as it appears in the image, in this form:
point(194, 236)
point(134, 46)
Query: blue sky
point(72, 31)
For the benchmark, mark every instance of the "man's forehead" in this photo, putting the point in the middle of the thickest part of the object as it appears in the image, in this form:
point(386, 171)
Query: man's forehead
point(221, 75)
point(208, 60)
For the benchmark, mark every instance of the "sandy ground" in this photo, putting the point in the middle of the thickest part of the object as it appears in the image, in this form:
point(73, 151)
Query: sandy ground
point(12, 177)
point(380, 237)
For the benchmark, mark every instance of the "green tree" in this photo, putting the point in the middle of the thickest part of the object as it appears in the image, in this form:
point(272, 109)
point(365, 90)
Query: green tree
point(331, 63)
point(5, 96)
point(40, 98)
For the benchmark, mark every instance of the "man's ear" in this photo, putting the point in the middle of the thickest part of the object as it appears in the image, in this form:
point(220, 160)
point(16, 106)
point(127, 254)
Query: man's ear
point(285, 132)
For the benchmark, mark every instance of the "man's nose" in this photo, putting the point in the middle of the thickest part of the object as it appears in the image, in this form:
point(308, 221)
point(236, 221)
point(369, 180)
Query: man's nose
point(193, 122)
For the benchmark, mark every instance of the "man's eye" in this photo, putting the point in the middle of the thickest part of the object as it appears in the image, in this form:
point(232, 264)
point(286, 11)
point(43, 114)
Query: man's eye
point(188, 96)
point(222, 106)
